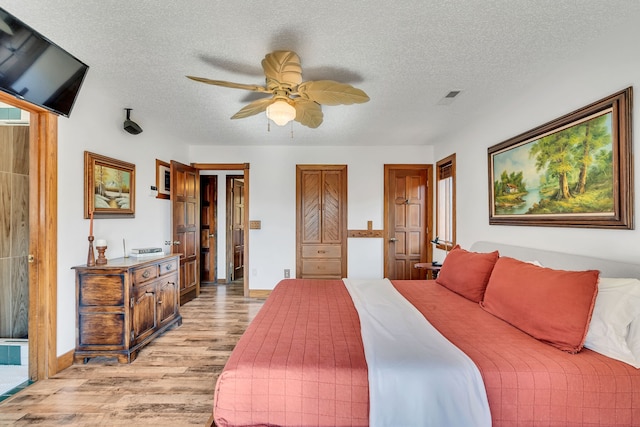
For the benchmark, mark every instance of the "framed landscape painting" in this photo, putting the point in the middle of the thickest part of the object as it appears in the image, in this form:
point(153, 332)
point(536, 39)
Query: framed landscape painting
point(575, 171)
point(109, 187)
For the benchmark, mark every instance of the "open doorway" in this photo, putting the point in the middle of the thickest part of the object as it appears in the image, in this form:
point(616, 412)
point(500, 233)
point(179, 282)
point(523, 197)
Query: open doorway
point(218, 262)
point(14, 248)
point(40, 226)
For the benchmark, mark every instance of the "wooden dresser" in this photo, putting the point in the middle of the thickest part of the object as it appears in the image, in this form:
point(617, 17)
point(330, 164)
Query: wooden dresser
point(123, 305)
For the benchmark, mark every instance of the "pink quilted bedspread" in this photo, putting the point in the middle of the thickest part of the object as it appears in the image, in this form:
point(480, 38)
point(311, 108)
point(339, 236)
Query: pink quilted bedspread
point(301, 362)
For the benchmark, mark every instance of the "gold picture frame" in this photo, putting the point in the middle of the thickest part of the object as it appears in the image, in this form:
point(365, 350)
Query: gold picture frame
point(163, 179)
point(109, 187)
point(575, 171)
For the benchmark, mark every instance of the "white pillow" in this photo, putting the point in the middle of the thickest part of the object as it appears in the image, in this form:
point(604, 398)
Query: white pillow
point(615, 324)
point(634, 339)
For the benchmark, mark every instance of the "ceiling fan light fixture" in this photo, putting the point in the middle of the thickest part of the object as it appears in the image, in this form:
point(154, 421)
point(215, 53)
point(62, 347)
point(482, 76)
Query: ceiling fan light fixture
point(281, 112)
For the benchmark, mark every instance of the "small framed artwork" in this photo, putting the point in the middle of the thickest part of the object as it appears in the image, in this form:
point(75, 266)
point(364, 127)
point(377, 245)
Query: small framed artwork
point(575, 171)
point(163, 179)
point(109, 187)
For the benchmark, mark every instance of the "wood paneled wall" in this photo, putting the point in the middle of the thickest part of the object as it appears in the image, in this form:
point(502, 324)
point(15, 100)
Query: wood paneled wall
point(14, 231)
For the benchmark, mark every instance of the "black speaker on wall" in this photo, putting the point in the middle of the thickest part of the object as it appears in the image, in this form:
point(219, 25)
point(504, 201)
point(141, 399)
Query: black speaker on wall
point(129, 125)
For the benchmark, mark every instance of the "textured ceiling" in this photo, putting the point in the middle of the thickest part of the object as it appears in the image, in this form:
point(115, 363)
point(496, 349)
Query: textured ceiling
point(406, 55)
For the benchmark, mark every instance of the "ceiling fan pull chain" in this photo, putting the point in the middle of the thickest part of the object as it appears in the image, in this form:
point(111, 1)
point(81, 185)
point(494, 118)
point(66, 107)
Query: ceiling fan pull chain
point(291, 130)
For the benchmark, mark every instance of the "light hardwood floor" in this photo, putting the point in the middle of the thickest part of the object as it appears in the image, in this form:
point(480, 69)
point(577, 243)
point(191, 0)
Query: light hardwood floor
point(170, 383)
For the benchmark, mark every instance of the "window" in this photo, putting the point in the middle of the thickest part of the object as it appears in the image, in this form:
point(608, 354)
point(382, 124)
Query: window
point(446, 203)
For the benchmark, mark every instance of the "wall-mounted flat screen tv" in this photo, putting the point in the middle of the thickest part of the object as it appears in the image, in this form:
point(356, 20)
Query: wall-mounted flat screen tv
point(35, 69)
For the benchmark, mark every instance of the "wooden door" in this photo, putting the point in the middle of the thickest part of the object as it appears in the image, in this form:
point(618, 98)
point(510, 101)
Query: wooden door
point(208, 227)
point(235, 219)
point(321, 221)
point(185, 209)
point(407, 219)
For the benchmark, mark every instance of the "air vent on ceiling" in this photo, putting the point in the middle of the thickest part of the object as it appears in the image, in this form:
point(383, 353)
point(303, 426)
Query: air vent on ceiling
point(448, 98)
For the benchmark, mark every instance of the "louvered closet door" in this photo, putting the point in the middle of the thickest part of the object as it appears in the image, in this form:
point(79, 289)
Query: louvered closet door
point(321, 221)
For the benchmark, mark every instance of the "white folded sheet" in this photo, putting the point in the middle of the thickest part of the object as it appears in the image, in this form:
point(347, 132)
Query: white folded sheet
point(416, 376)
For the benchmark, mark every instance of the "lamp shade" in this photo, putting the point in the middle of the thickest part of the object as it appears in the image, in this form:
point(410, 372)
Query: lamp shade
point(281, 112)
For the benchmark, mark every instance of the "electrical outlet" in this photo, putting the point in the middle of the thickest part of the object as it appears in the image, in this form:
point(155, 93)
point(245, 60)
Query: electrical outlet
point(287, 273)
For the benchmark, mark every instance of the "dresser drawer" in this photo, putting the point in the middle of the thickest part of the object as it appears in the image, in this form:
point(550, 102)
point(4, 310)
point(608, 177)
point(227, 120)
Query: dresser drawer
point(168, 267)
point(331, 267)
point(321, 251)
point(143, 275)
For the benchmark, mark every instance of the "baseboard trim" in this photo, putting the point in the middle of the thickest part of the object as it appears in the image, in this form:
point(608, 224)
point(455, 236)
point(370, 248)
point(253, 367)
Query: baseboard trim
point(64, 361)
point(259, 293)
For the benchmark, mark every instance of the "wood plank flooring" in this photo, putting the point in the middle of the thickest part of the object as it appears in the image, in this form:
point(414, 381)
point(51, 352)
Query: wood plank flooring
point(170, 383)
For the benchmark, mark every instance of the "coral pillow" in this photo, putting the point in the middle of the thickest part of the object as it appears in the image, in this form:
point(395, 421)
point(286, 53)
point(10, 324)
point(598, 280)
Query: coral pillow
point(467, 273)
point(554, 306)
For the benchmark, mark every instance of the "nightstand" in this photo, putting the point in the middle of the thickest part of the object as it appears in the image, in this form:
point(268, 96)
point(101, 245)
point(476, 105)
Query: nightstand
point(432, 270)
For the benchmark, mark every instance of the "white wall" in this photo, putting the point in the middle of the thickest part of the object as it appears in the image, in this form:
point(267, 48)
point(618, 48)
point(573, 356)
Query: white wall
point(272, 200)
point(603, 71)
point(95, 125)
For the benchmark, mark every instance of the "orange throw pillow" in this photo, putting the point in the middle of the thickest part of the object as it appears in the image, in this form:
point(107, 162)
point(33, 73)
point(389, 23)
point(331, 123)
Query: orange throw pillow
point(554, 306)
point(467, 273)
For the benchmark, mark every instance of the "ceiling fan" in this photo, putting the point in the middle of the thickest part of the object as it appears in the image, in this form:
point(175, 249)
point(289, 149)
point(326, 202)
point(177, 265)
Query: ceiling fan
point(292, 98)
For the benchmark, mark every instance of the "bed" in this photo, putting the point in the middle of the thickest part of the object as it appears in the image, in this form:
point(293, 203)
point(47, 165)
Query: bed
point(302, 359)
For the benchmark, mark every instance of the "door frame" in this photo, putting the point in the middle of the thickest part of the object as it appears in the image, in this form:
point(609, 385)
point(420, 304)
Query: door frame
point(429, 209)
point(43, 239)
point(244, 167)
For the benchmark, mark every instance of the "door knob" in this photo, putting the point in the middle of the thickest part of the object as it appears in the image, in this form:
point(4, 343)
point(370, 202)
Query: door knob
point(211, 235)
point(393, 239)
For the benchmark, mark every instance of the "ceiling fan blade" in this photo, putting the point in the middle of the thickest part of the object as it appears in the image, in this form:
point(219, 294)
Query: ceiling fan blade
point(308, 113)
point(253, 108)
point(282, 68)
point(329, 92)
point(254, 88)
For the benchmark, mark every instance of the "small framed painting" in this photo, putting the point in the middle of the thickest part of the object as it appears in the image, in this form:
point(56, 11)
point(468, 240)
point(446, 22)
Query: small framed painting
point(163, 179)
point(109, 187)
point(575, 171)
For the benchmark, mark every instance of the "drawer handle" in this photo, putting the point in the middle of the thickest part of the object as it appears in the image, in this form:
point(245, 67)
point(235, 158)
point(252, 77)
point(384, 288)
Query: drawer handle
point(168, 267)
point(160, 302)
point(149, 294)
point(322, 252)
point(146, 274)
